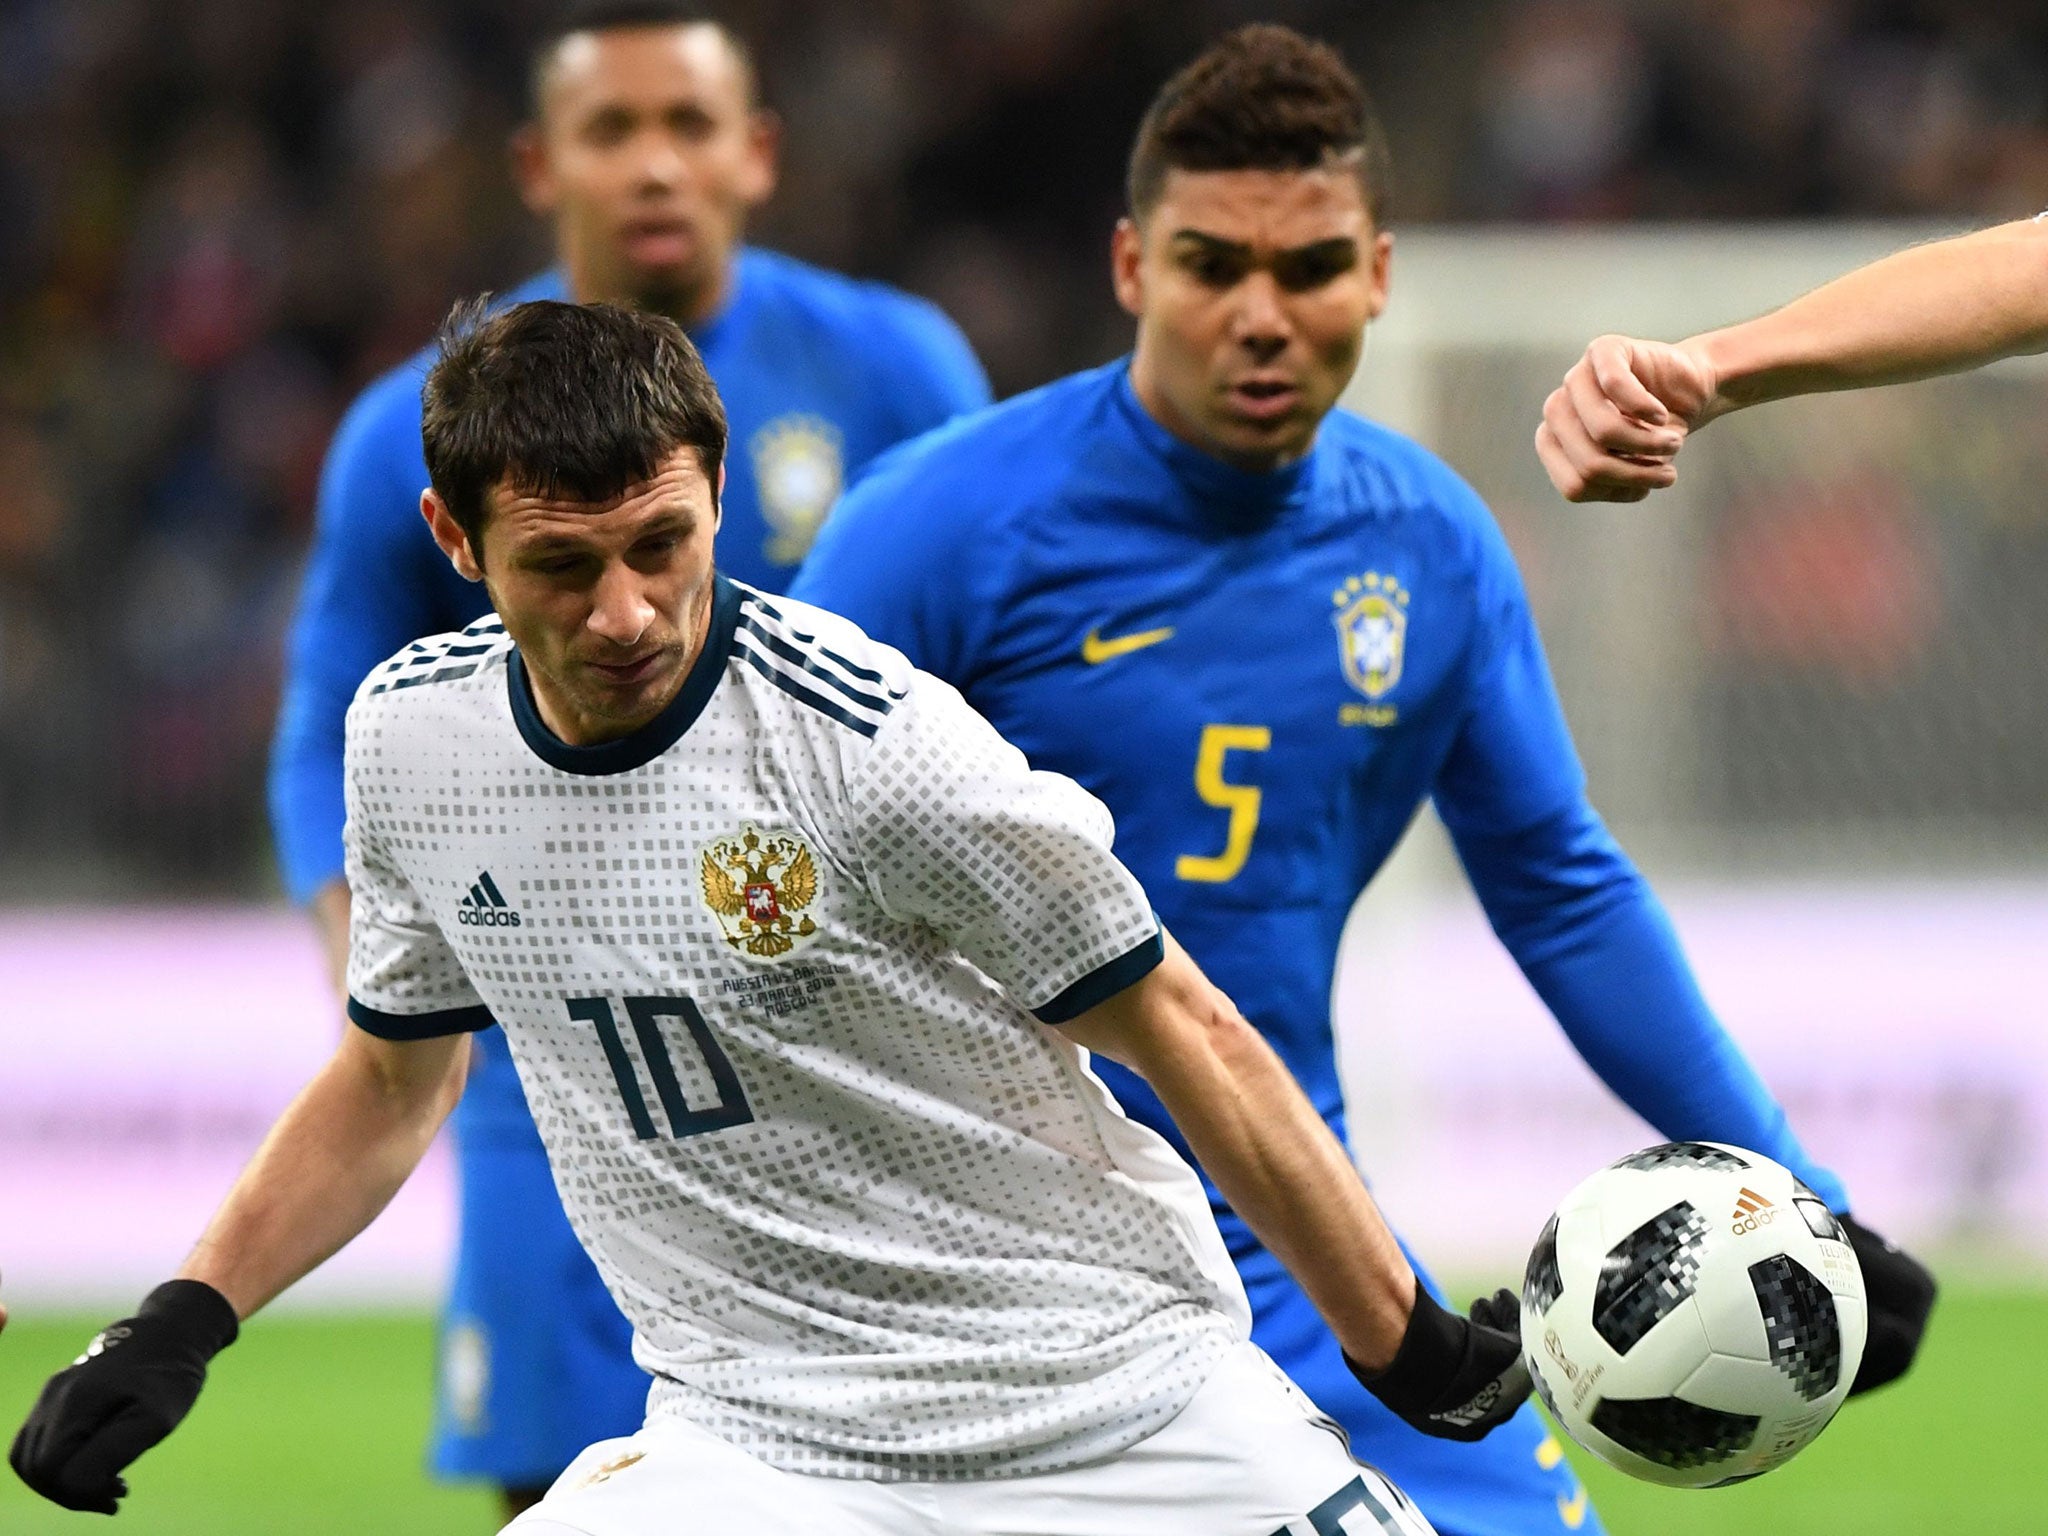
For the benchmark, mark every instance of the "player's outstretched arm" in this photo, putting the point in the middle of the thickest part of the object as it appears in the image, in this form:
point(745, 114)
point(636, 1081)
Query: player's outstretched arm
point(1613, 429)
point(1276, 1162)
point(330, 1164)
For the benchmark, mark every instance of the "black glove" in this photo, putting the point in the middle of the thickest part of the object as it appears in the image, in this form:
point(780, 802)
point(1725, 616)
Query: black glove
point(129, 1389)
point(1452, 1377)
point(1899, 1292)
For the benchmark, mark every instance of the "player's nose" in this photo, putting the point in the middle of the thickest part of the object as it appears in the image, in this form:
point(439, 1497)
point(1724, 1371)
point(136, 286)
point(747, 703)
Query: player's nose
point(658, 162)
point(620, 609)
point(1259, 317)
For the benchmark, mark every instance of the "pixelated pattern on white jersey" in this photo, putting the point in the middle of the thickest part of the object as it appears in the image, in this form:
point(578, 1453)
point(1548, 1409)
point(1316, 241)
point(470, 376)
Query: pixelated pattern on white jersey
point(868, 1217)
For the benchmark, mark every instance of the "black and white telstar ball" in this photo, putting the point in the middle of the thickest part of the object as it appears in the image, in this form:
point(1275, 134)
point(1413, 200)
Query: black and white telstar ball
point(1693, 1314)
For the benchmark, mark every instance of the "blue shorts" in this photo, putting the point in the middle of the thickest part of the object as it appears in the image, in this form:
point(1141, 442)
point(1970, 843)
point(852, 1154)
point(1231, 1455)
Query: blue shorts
point(1515, 1482)
point(535, 1359)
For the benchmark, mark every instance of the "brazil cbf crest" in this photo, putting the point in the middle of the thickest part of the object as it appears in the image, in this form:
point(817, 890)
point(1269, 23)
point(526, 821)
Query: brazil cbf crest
point(758, 886)
point(799, 469)
point(1372, 631)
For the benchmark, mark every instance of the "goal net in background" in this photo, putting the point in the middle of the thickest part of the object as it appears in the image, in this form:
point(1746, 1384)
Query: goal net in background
point(1810, 686)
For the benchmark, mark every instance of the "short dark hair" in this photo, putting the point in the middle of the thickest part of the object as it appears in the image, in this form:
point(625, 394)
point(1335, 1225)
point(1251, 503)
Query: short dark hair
point(562, 400)
point(1261, 98)
point(619, 15)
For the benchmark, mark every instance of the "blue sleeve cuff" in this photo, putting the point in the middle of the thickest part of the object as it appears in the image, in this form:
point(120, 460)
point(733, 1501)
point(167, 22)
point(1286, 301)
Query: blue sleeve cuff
point(419, 1026)
point(1103, 983)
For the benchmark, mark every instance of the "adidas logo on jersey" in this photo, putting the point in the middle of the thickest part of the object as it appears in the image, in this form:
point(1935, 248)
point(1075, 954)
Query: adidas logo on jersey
point(1753, 1210)
point(485, 907)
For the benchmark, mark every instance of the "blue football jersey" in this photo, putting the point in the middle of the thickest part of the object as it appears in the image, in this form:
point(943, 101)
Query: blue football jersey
point(819, 373)
point(1264, 676)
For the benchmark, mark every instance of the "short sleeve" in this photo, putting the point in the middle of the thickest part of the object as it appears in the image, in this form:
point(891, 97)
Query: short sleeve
point(1011, 866)
point(404, 982)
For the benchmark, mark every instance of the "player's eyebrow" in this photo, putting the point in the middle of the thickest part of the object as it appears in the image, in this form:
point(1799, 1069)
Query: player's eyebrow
point(1336, 245)
point(669, 522)
point(552, 544)
point(631, 108)
point(1216, 245)
point(680, 521)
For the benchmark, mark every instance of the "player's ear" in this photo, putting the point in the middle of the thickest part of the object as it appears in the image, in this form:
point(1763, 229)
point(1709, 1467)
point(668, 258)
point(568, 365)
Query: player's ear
point(1126, 261)
point(449, 534)
point(532, 171)
point(1381, 277)
point(764, 156)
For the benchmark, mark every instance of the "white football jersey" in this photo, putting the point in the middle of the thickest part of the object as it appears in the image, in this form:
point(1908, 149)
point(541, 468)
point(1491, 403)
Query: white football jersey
point(769, 968)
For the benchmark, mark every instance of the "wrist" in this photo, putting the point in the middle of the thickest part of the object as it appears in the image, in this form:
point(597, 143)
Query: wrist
point(1727, 369)
point(1758, 361)
point(196, 1310)
point(1431, 1349)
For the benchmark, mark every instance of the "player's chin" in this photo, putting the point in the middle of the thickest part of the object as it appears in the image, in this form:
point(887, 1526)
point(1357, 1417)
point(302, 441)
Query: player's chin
point(667, 288)
point(1279, 437)
point(629, 700)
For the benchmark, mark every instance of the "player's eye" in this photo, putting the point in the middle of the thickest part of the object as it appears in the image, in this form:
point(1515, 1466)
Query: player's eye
point(1213, 269)
point(554, 565)
point(692, 123)
point(1302, 271)
point(608, 127)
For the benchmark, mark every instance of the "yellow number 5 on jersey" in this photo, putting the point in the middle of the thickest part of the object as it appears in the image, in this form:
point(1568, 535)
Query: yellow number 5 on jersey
point(1241, 800)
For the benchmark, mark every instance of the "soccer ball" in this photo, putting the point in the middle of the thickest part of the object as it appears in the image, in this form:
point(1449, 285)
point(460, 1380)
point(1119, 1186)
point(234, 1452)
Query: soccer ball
point(1693, 1314)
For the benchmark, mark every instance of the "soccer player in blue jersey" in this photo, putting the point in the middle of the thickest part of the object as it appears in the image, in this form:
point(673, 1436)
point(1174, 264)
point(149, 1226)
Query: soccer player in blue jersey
point(647, 149)
point(1264, 631)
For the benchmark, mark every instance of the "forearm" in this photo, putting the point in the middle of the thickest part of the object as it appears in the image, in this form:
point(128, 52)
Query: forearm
point(333, 1161)
point(1596, 945)
point(1267, 1151)
point(329, 908)
point(1928, 310)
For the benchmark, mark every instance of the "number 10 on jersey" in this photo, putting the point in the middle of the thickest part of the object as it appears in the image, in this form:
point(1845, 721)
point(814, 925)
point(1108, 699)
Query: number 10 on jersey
point(730, 1108)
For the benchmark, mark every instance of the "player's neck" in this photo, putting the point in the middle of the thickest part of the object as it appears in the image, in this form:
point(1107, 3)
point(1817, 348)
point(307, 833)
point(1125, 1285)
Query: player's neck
point(1158, 404)
point(690, 306)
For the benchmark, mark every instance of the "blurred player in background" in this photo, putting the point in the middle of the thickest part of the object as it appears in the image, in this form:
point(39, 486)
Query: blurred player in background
point(898, 1260)
point(1612, 430)
point(1264, 631)
point(648, 147)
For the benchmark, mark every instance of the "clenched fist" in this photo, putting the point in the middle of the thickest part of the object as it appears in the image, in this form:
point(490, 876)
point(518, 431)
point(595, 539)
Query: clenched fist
point(1612, 430)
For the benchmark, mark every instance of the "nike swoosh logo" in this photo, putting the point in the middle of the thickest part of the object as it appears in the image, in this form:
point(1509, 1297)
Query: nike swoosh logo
point(1095, 650)
point(1572, 1511)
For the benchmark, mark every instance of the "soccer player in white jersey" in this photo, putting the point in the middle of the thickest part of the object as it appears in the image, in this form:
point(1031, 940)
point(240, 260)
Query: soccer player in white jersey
point(800, 964)
point(1613, 429)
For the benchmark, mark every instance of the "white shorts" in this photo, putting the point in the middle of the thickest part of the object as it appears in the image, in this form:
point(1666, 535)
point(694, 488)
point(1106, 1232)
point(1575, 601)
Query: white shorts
point(1248, 1456)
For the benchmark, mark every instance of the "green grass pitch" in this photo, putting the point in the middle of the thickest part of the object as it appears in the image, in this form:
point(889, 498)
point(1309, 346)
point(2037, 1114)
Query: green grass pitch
point(313, 1426)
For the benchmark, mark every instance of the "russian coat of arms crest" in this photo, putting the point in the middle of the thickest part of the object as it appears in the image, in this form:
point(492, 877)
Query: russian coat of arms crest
point(1372, 631)
point(757, 886)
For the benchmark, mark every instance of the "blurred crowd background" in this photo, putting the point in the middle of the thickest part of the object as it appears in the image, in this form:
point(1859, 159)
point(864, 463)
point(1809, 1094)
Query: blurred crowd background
point(219, 218)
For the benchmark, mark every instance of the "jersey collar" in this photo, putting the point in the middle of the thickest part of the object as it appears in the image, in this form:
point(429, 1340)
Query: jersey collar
point(710, 333)
point(1236, 496)
point(658, 734)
